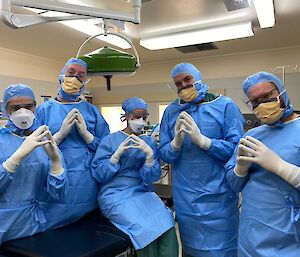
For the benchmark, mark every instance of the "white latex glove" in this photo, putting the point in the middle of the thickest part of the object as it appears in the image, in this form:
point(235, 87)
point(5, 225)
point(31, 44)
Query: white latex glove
point(29, 144)
point(270, 161)
point(82, 128)
point(177, 142)
point(242, 167)
point(120, 150)
point(194, 132)
point(66, 126)
point(142, 145)
point(52, 151)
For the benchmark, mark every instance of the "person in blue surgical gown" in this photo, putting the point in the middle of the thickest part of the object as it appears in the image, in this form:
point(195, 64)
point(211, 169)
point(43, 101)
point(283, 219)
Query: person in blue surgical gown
point(198, 134)
point(125, 164)
point(31, 167)
point(77, 127)
point(266, 169)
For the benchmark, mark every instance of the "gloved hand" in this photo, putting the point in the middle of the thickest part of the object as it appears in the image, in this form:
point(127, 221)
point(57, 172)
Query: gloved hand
point(29, 144)
point(66, 126)
point(270, 161)
point(177, 142)
point(194, 132)
point(52, 151)
point(142, 145)
point(82, 128)
point(120, 150)
point(242, 166)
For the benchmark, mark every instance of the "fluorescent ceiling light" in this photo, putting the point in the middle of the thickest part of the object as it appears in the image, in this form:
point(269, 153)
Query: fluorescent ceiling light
point(265, 13)
point(193, 37)
point(88, 27)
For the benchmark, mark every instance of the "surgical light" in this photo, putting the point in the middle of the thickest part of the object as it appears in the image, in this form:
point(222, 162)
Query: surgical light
point(213, 34)
point(265, 13)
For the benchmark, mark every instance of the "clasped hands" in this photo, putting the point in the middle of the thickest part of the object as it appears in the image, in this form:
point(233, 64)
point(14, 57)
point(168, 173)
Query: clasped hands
point(185, 125)
point(133, 141)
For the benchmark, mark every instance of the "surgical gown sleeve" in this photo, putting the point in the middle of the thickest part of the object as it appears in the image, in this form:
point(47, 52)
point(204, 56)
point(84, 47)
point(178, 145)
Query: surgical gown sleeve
point(152, 173)
point(103, 170)
point(101, 130)
point(5, 178)
point(233, 129)
point(166, 152)
point(57, 186)
point(236, 183)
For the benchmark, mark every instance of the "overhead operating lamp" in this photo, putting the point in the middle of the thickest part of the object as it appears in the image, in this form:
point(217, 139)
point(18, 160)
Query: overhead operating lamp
point(108, 62)
point(78, 12)
point(192, 37)
point(265, 13)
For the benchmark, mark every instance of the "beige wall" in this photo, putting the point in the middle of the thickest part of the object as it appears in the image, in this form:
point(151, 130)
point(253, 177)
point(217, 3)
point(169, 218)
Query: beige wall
point(150, 82)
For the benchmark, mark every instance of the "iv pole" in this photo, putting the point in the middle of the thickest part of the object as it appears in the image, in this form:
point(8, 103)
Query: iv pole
point(283, 68)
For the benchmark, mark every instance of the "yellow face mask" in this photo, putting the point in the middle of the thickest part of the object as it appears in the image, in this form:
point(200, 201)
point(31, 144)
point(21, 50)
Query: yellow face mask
point(71, 85)
point(269, 112)
point(188, 94)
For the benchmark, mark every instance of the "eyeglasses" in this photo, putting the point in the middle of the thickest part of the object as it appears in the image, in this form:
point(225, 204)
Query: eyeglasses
point(184, 83)
point(81, 76)
point(267, 97)
point(15, 107)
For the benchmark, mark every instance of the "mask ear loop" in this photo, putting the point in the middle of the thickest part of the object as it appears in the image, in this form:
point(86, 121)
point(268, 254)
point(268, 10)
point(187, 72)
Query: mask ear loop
point(278, 98)
point(123, 117)
point(280, 94)
point(61, 79)
point(86, 82)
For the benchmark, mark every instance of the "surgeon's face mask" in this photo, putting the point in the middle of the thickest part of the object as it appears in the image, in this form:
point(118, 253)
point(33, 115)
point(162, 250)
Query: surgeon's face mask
point(270, 112)
point(188, 93)
point(72, 85)
point(22, 118)
point(137, 125)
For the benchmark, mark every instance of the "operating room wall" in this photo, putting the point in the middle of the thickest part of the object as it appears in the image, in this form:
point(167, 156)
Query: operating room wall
point(22, 65)
point(222, 73)
point(156, 94)
point(39, 73)
point(40, 88)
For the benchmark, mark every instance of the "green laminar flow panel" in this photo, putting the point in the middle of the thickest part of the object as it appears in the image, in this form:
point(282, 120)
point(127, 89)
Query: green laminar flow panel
point(109, 61)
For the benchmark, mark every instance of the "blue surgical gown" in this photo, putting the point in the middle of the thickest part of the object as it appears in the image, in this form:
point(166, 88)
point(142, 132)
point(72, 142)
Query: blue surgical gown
point(125, 196)
point(21, 212)
point(205, 206)
point(270, 216)
point(82, 194)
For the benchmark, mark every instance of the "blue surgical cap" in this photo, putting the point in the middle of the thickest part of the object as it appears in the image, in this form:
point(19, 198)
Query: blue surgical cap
point(186, 68)
point(70, 62)
point(263, 76)
point(17, 90)
point(133, 103)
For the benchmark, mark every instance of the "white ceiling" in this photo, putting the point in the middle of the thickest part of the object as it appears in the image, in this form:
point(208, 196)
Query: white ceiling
point(58, 42)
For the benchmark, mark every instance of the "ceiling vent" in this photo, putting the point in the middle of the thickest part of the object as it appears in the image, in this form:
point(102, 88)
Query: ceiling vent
point(196, 48)
point(233, 5)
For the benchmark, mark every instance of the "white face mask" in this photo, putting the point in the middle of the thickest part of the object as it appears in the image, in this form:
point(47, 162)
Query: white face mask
point(22, 118)
point(137, 125)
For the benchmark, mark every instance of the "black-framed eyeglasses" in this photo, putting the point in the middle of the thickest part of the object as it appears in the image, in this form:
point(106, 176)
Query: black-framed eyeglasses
point(81, 76)
point(267, 97)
